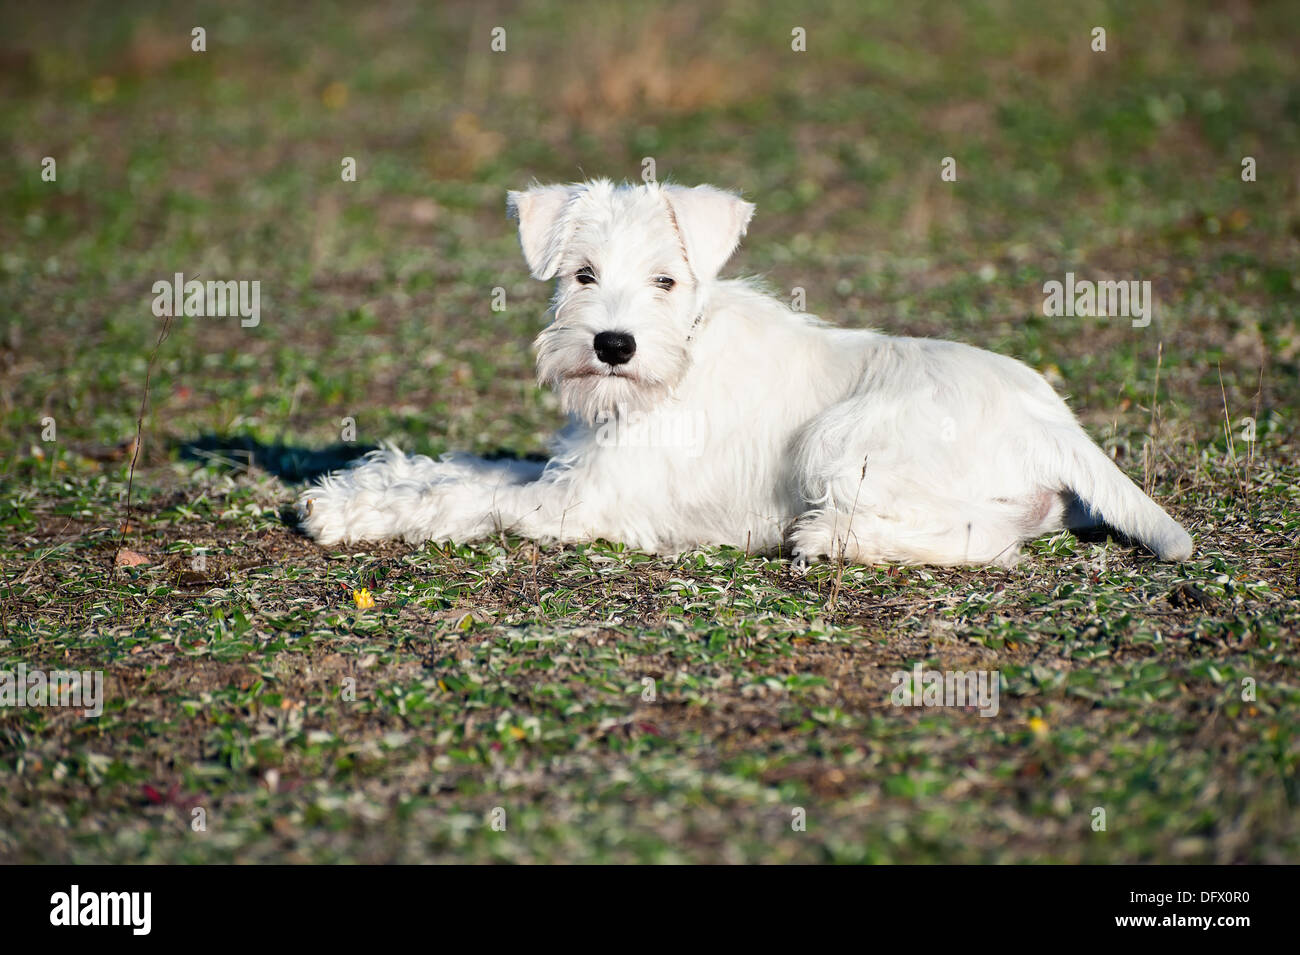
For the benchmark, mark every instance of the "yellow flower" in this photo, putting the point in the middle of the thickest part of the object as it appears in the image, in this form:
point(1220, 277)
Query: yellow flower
point(334, 96)
point(1038, 726)
point(102, 89)
point(363, 599)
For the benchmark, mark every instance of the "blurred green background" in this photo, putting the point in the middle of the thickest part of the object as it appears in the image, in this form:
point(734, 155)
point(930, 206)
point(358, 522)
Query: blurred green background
point(226, 164)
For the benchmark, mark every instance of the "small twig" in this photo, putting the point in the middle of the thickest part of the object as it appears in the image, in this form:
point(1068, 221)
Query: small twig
point(139, 432)
point(1227, 426)
point(4, 618)
point(537, 588)
point(839, 570)
point(1149, 451)
point(1250, 447)
point(37, 562)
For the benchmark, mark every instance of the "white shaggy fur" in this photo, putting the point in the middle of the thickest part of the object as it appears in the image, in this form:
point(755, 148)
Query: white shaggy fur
point(831, 442)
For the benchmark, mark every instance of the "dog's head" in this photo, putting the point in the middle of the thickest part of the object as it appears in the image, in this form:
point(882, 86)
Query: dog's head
point(633, 266)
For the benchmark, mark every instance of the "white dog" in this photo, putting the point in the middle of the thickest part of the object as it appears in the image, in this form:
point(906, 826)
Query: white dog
point(706, 412)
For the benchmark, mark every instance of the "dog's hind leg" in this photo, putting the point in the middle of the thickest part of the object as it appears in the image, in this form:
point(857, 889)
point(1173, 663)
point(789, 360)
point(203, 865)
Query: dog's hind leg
point(879, 484)
point(939, 535)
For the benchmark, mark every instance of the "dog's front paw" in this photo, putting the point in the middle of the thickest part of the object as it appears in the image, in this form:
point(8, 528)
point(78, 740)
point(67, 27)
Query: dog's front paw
point(338, 511)
point(321, 514)
point(335, 511)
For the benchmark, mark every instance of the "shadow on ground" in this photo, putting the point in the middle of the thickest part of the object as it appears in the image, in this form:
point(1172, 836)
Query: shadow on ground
point(289, 463)
point(238, 453)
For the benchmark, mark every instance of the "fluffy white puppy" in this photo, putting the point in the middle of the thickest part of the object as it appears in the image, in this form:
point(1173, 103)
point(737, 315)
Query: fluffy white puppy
point(706, 412)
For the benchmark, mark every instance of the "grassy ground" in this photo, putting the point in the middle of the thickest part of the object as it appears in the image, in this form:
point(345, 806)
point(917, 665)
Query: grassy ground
point(243, 680)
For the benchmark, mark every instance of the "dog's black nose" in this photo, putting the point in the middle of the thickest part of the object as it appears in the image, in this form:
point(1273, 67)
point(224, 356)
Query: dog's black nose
point(615, 348)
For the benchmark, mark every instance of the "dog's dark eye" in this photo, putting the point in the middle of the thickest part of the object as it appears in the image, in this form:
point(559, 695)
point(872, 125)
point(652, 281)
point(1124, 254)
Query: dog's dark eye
point(585, 276)
point(665, 282)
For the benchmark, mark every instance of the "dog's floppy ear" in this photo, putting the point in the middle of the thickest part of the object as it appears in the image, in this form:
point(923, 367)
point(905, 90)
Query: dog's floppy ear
point(711, 223)
point(540, 211)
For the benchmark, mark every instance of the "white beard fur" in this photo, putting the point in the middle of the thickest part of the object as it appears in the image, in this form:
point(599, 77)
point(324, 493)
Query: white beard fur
point(816, 441)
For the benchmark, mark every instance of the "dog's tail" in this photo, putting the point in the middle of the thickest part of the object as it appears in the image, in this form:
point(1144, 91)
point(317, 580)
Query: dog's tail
point(1109, 495)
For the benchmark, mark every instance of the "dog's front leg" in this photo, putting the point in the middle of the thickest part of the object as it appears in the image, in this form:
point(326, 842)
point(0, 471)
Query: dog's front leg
point(391, 495)
point(454, 510)
point(546, 510)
